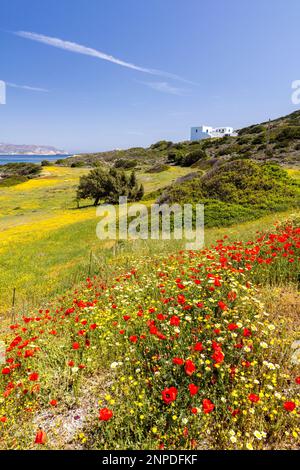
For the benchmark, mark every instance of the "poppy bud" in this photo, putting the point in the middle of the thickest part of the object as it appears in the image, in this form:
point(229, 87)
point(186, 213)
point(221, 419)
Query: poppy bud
point(41, 437)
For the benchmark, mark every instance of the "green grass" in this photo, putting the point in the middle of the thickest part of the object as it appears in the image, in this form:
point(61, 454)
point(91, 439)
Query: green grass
point(46, 243)
point(12, 181)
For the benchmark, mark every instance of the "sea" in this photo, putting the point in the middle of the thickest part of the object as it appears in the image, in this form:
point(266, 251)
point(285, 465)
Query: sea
point(30, 158)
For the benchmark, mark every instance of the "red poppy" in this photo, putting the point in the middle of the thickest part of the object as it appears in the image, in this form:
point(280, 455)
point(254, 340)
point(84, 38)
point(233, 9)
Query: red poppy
point(161, 316)
point(289, 406)
point(297, 380)
point(254, 398)
point(247, 332)
point(189, 367)
point(153, 330)
point(207, 406)
point(222, 305)
point(198, 347)
point(178, 361)
point(41, 437)
point(174, 320)
point(6, 371)
point(105, 414)
point(218, 356)
point(53, 403)
point(28, 353)
point(75, 346)
point(3, 419)
point(33, 377)
point(194, 411)
point(169, 394)
point(180, 298)
point(133, 339)
point(231, 296)
point(232, 326)
point(193, 389)
point(71, 363)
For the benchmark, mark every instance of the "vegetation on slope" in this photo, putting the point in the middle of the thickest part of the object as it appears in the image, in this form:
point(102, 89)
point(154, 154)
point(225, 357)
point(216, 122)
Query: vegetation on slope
point(107, 186)
point(236, 191)
point(187, 352)
point(15, 173)
point(44, 237)
point(276, 141)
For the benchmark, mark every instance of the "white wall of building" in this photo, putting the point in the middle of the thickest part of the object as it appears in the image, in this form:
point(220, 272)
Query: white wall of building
point(202, 132)
point(207, 132)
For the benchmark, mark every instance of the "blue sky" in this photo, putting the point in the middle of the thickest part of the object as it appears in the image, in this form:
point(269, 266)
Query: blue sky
point(174, 64)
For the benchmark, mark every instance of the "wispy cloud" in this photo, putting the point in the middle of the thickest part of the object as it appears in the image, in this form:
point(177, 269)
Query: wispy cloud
point(27, 87)
point(80, 49)
point(165, 87)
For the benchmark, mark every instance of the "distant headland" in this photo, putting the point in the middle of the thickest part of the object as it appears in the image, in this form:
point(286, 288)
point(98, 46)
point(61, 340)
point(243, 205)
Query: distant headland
point(22, 149)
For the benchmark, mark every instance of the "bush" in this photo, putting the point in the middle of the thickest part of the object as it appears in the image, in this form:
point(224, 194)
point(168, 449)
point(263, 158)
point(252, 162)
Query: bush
point(288, 133)
point(259, 139)
point(236, 191)
point(79, 164)
point(108, 186)
point(193, 157)
point(158, 168)
point(125, 164)
point(27, 170)
point(162, 145)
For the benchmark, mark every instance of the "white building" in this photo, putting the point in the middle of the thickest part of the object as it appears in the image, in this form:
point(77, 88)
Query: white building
point(207, 132)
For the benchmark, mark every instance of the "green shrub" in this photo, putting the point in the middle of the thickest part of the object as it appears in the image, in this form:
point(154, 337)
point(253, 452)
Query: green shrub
point(162, 145)
point(125, 164)
point(193, 157)
point(158, 168)
point(259, 139)
point(288, 133)
point(236, 191)
point(79, 164)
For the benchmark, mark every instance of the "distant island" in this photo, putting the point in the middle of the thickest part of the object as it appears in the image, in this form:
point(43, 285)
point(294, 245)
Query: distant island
point(13, 149)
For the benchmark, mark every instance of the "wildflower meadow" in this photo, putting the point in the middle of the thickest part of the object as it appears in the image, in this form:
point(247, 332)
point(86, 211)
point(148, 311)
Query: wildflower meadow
point(178, 352)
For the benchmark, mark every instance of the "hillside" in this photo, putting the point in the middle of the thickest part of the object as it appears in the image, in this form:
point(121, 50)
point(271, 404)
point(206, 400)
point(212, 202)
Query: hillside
point(235, 191)
point(277, 141)
point(22, 149)
point(206, 341)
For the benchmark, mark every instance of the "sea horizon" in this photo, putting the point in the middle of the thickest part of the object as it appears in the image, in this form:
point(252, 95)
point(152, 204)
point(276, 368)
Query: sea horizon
point(33, 158)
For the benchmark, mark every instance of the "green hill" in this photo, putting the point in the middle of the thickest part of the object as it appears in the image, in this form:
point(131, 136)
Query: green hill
point(236, 191)
point(276, 141)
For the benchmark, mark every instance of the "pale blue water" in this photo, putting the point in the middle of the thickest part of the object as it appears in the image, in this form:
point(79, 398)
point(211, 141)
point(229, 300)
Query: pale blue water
point(29, 158)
